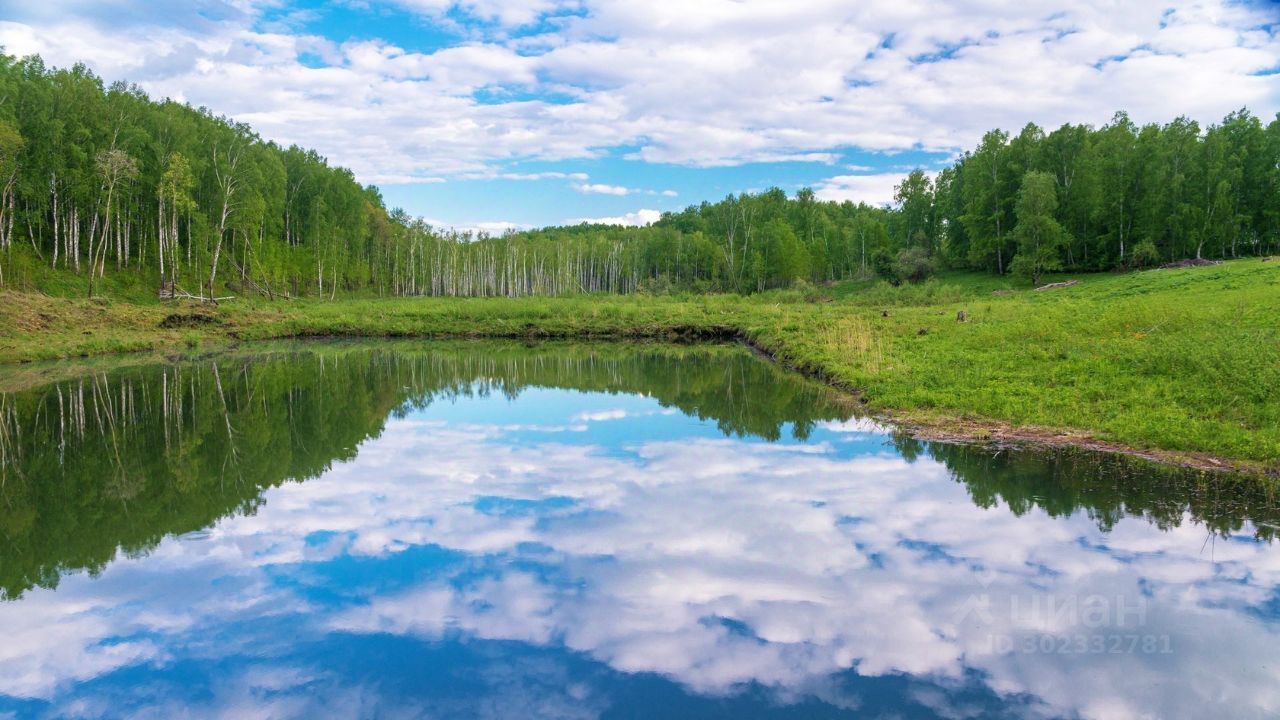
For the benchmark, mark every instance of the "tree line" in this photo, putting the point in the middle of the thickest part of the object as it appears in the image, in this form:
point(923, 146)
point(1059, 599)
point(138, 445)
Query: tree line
point(98, 179)
point(1119, 196)
point(1078, 199)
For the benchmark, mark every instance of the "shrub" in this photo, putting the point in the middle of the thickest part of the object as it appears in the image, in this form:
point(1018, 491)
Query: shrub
point(1144, 255)
point(882, 265)
point(913, 265)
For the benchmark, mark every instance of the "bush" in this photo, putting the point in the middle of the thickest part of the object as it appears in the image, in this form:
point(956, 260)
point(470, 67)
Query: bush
point(913, 265)
point(660, 285)
point(882, 265)
point(1144, 255)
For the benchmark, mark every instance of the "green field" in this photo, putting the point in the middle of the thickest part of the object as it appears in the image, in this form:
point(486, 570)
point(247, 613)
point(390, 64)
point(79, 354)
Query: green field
point(1182, 361)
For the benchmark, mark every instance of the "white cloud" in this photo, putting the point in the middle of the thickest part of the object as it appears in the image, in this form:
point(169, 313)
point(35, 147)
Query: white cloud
point(509, 13)
point(875, 189)
point(404, 180)
point(657, 543)
point(639, 218)
point(619, 190)
point(709, 83)
point(493, 228)
point(602, 189)
point(601, 415)
point(543, 176)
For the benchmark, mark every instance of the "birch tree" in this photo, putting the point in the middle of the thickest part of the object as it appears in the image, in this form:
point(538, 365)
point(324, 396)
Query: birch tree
point(225, 169)
point(114, 166)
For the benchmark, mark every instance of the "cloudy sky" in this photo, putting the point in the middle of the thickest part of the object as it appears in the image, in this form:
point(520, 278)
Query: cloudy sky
point(494, 113)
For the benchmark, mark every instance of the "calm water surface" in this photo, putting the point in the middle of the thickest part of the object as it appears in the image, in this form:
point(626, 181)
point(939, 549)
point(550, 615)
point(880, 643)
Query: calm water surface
point(568, 531)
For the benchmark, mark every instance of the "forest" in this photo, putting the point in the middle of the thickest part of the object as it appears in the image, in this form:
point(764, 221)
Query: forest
point(99, 180)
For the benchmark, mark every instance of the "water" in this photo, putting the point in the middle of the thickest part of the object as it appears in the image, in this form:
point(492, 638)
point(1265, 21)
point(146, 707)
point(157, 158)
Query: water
point(488, 530)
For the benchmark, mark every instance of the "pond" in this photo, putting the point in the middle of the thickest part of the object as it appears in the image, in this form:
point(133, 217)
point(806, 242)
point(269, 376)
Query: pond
point(580, 531)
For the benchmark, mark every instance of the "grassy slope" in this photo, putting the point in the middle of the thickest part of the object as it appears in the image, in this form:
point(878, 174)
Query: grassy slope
point(1180, 360)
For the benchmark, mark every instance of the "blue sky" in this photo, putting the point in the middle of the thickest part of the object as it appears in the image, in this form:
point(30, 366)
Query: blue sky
point(490, 114)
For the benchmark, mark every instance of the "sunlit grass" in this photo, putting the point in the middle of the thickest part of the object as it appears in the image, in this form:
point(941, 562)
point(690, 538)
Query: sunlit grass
point(1185, 360)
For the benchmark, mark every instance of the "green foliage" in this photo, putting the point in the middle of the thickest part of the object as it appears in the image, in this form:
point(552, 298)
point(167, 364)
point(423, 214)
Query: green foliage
point(1183, 360)
point(102, 181)
point(1039, 236)
point(106, 182)
point(1186, 192)
point(11, 144)
point(1145, 254)
point(913, 264)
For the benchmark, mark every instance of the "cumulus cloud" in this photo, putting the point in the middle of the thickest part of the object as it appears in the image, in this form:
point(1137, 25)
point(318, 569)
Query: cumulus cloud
point(874, 189)
point(649, 553)
point(708, 83)
point(601, 415)
point(639, 218)
point(489, 227)
point(507, 13)
point(619, 190)
point(533, 176)
point(602, 189)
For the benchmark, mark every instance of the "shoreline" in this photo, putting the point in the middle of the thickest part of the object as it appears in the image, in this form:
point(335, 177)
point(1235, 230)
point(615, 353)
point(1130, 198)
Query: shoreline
point(1095, 365)
point(995, 434)
point(989, 433)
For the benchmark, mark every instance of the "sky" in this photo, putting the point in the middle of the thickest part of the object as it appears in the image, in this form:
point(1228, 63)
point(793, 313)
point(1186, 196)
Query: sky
point(497, 114)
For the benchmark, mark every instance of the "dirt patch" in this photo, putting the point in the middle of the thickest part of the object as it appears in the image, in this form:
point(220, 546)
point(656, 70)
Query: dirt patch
point(1190, 263)
point(189, 320)
point(33, 322)
point(997, 435)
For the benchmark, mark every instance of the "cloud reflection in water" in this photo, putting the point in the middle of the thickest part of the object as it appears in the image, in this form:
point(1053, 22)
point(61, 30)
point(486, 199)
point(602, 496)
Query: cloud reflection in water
point(499, 557)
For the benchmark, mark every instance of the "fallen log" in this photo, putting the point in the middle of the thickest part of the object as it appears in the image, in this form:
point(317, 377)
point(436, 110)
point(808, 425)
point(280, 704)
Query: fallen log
point(1055, 286)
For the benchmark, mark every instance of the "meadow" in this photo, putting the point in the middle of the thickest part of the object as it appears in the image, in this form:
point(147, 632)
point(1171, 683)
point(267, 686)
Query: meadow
point(1178, 364)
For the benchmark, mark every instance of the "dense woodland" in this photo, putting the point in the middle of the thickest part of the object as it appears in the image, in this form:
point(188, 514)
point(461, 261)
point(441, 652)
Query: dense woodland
point(98, 179)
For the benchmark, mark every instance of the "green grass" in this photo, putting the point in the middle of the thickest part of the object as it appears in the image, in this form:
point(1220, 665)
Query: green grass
point(1185, 360)
point(1176, 360)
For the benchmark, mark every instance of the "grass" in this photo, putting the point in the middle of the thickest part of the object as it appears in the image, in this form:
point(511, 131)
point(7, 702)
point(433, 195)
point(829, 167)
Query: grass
point(1182, 361)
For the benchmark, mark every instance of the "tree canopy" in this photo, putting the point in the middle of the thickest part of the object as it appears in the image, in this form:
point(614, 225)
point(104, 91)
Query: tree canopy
point(98, 179)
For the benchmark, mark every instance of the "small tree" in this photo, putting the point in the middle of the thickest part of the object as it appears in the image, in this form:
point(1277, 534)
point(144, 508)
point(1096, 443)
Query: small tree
point(11, 144)
point(1144, 254)
point(1039, 236)
point(175, 201)
point(228, 182)
point(913, 265)
point(114, 165)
